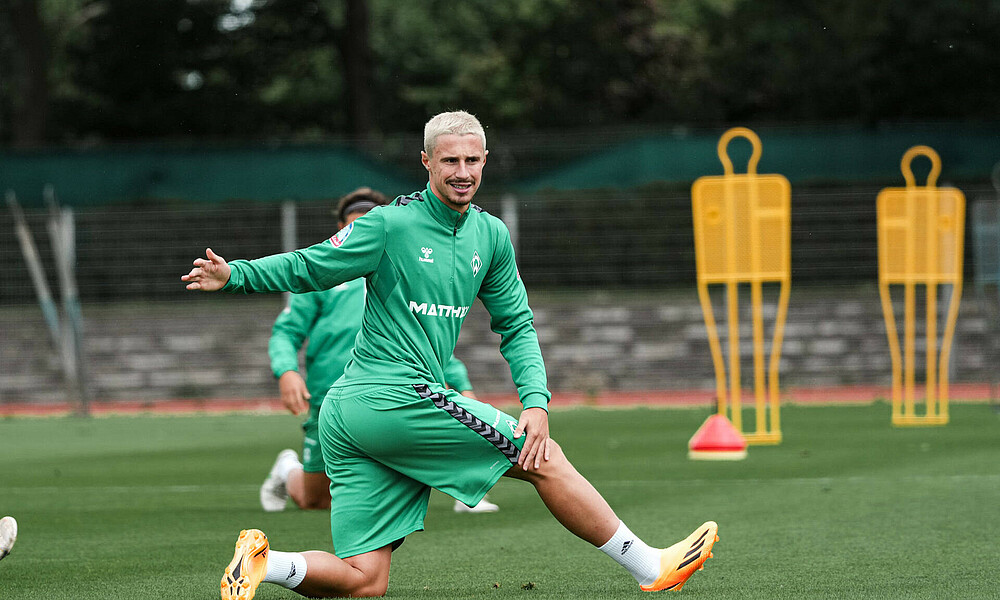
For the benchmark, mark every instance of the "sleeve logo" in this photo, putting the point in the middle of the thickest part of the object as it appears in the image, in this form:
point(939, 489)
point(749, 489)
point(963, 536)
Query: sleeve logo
point(341, 236)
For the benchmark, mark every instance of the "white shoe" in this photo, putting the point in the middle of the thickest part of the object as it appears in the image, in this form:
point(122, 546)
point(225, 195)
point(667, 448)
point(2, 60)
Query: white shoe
point(484, 506)
point(273, 492)
point(8, 535)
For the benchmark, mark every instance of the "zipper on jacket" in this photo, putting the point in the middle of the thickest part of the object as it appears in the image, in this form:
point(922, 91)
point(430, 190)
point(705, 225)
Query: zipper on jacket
point(454, 244)
point(454, 251)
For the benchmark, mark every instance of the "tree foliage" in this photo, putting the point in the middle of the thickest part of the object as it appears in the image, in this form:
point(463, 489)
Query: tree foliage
point(311, 69)
point(853, 60)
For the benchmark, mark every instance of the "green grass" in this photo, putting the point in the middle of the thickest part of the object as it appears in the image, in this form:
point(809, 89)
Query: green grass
point(845, 507)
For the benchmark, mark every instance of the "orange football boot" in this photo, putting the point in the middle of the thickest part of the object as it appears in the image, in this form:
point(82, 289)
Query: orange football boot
point(680, 561)
point(248, 567)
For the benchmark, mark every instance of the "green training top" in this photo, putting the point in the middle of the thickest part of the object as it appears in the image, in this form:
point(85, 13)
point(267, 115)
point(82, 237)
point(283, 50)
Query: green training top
point(330, 321)
point(424, 264)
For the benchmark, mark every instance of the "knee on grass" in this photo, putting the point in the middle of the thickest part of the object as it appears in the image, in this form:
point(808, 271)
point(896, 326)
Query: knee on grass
point(374, 581)
point(360, 576)
point(372, 589)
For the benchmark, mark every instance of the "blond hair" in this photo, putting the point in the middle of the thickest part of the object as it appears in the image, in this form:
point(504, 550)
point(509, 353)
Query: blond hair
point(455, 123)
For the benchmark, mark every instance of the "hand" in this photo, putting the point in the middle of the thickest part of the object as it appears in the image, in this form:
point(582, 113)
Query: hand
point(294, 394)
point(534, 423)
point(209, 274)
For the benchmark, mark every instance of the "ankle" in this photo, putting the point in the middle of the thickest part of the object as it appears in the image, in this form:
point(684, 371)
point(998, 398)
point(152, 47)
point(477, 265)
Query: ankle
point(286, 569)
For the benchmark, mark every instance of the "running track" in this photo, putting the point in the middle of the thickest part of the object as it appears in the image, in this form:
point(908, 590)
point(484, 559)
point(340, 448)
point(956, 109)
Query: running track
point(659, 398)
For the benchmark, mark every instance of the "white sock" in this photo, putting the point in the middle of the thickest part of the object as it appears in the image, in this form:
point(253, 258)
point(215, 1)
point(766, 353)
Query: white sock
point(286, 569)
point(632, 553)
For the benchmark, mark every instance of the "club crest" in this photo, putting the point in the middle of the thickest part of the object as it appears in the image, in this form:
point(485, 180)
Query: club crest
point(477, 263)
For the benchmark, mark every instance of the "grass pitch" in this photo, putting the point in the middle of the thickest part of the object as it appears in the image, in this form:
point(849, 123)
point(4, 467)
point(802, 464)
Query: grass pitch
point(845, 507)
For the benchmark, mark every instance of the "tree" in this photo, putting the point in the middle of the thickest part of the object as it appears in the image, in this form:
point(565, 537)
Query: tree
point(523, 63)
point(221, 69)
point(358, 66)
point(74, 70)
point(30, 67)
point(851, 60)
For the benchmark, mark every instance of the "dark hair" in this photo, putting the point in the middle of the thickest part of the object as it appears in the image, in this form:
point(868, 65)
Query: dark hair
point(360, 201)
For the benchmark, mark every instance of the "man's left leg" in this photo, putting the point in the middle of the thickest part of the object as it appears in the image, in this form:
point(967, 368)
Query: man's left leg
point(484, 447)
point(575, 503)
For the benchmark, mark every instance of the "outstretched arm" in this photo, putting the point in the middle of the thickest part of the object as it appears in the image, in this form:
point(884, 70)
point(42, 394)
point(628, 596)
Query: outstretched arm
point(354, 252)
point(209, 274)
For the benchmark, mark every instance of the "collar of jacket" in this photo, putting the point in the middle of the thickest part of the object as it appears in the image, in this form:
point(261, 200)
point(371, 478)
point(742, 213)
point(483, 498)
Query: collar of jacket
point(442, 213)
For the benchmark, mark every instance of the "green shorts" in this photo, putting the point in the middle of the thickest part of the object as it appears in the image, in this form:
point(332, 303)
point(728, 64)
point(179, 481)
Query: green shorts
point(386, 447)
point(312, 456)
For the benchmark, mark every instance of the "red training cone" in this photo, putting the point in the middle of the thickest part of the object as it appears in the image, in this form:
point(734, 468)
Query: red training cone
point(717, 439)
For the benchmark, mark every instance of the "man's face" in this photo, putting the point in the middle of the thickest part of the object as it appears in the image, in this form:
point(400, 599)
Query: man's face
point(456, 169)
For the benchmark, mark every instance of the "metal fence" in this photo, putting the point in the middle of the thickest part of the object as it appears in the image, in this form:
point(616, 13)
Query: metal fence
point(580, 240)
point(611, 276)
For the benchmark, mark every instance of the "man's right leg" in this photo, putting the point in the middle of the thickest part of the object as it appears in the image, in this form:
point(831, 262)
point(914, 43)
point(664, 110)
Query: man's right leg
point(359, 576)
